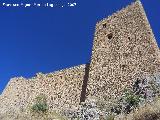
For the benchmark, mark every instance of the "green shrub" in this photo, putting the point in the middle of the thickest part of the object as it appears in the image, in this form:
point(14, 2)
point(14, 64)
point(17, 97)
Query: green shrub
point(40, 107)
point(40, 104)
point(127, 103)
point(131, 98)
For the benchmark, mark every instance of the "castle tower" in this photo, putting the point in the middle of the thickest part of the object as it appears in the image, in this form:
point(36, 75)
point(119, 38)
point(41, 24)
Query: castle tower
point(124, 49)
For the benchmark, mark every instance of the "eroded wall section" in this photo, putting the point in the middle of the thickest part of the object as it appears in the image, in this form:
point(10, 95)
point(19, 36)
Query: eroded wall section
point(62, 88)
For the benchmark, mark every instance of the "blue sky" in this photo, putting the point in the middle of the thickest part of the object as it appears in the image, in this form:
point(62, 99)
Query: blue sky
point(47, 39)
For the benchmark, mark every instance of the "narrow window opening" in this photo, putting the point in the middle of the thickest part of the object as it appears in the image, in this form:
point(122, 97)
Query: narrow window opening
point(129, 38)
point(104, 25)
point(61, 77)
point(51, 98)
point(110, 36)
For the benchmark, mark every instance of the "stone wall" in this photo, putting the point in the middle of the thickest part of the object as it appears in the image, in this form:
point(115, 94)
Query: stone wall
point(124, 49)
point(62, 88)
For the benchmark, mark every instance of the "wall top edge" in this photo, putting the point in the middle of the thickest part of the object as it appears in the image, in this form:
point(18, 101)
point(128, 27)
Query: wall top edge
point(136, 3)
point(45, 74)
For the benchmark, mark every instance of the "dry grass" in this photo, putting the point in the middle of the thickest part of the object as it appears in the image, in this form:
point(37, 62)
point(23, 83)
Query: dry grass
point(48, 116)
point(22, 116)
point(147, 112)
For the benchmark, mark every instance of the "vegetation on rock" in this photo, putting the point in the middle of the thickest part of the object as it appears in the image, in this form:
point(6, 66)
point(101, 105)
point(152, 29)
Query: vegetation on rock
point(40, 104)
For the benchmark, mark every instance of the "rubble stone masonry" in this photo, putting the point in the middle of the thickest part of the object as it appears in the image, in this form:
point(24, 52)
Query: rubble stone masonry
point(62, 88)
point(124, 49)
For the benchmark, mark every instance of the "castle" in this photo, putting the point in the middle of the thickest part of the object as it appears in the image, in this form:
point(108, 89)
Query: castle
point(124, 49)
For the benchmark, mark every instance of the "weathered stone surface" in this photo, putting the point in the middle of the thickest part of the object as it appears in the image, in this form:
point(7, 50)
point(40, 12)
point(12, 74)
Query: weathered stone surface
point(124, 48)
point(62, 88)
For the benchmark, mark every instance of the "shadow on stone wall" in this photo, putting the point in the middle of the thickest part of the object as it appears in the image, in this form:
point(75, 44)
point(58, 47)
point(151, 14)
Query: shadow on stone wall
point(85, 81)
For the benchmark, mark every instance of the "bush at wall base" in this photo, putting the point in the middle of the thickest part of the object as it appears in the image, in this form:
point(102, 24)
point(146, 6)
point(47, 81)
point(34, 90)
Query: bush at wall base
point(40, 105)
